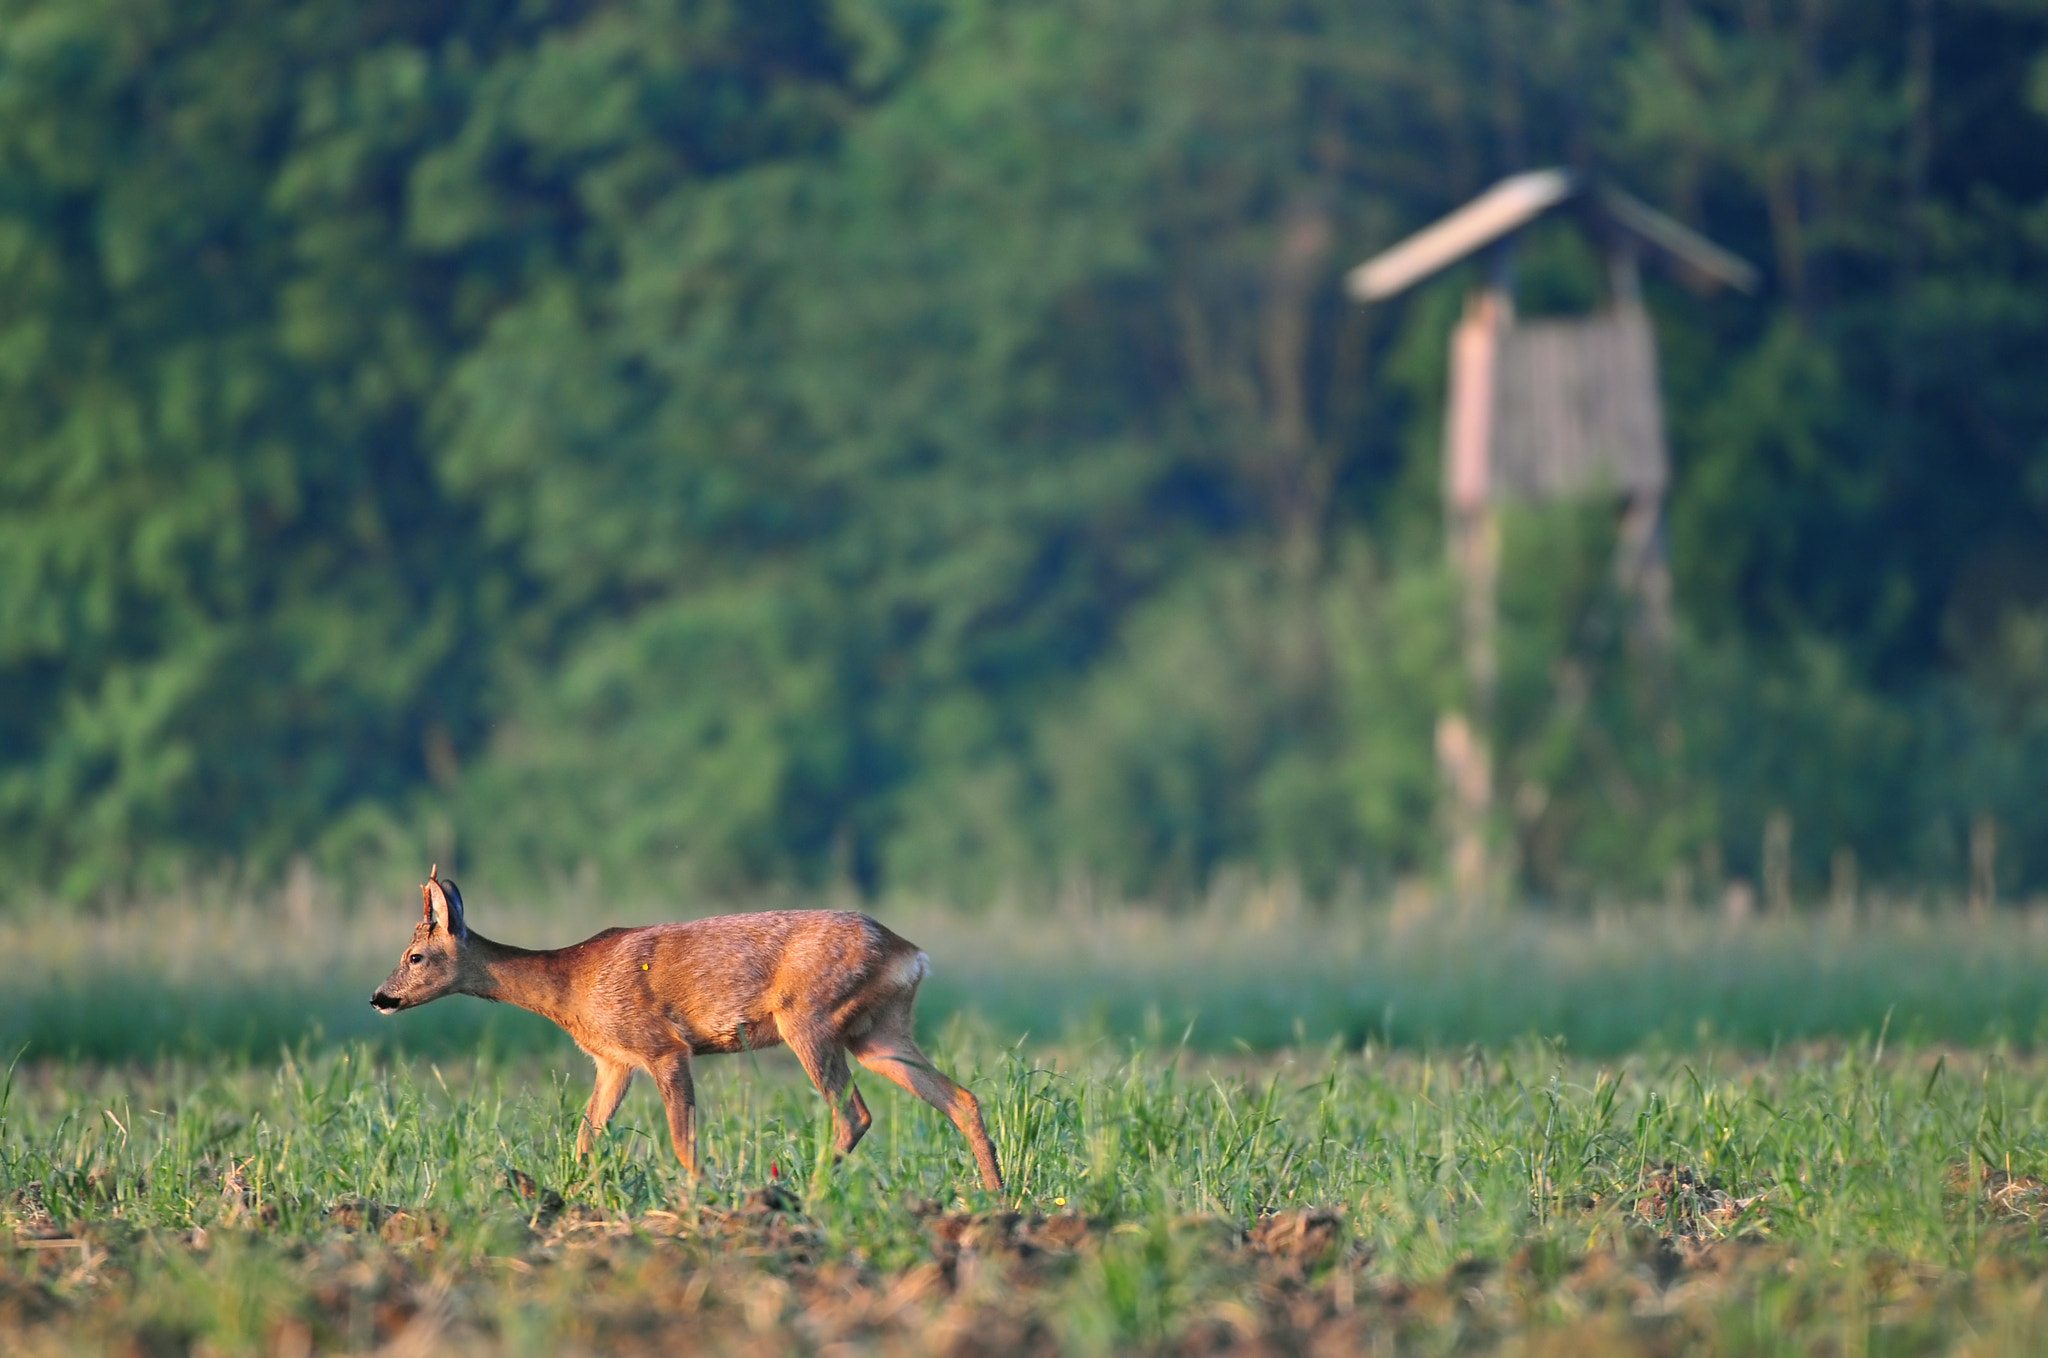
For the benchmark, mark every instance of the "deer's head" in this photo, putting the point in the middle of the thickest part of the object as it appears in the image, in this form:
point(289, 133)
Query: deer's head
point(432, 962)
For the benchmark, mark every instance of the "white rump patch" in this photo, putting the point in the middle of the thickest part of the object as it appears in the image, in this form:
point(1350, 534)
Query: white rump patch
point(910, 971)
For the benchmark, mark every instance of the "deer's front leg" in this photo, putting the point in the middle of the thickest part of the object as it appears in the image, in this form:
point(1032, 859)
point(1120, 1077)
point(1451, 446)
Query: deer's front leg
point(612, 1079)
point(672, 1076)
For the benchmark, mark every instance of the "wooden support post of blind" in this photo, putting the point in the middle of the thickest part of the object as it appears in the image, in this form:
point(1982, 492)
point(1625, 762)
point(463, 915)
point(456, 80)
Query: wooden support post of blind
point(1464, 746)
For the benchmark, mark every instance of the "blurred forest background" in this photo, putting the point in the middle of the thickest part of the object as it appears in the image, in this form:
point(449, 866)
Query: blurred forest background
point(923, 445)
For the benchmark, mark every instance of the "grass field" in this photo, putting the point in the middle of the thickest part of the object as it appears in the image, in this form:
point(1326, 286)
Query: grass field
point(1815, 1201)
point(203, 977)
point(1788, 1137)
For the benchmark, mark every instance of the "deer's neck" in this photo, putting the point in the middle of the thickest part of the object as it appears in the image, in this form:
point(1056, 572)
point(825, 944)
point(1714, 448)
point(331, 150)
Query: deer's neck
point(532, 980)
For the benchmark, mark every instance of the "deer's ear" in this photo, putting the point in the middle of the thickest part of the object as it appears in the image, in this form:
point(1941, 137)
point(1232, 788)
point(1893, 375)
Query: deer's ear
point(444, 907)
point(453, 896)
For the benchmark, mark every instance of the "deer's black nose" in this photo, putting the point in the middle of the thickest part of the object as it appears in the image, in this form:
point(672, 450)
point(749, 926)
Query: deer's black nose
point(382, 1003)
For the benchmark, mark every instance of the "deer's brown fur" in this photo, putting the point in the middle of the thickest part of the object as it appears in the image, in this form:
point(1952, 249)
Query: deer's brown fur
point(829, 983)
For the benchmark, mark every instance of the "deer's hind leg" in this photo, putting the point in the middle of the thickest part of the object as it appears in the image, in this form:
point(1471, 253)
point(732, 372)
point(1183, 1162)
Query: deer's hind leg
point(824, 1060)
point(891, 1053)
point(612, 1079)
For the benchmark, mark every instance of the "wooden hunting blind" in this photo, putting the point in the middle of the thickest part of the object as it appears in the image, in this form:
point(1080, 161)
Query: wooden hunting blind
point(1541, 411)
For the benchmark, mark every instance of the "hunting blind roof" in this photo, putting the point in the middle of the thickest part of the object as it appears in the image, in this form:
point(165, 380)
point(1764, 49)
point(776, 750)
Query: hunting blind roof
point(1519, 199)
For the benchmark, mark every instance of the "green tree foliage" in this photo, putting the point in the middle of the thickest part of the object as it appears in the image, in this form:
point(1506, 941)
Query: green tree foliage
point(924, 442)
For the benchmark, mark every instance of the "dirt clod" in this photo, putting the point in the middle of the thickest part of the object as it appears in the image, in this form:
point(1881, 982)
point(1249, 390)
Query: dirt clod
point(1682, 1204)
point(1999, 1192)
point(1300, 1237)
point(544, 1202)
point(28, 1215)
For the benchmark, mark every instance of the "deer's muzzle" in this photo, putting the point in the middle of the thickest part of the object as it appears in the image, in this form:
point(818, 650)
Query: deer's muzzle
point(386, 1004)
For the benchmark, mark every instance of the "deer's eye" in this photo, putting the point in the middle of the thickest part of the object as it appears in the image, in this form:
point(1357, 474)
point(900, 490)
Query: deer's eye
point(417, 958)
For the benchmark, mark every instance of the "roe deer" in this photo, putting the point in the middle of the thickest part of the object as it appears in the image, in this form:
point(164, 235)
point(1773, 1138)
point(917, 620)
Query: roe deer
point(827, 982)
